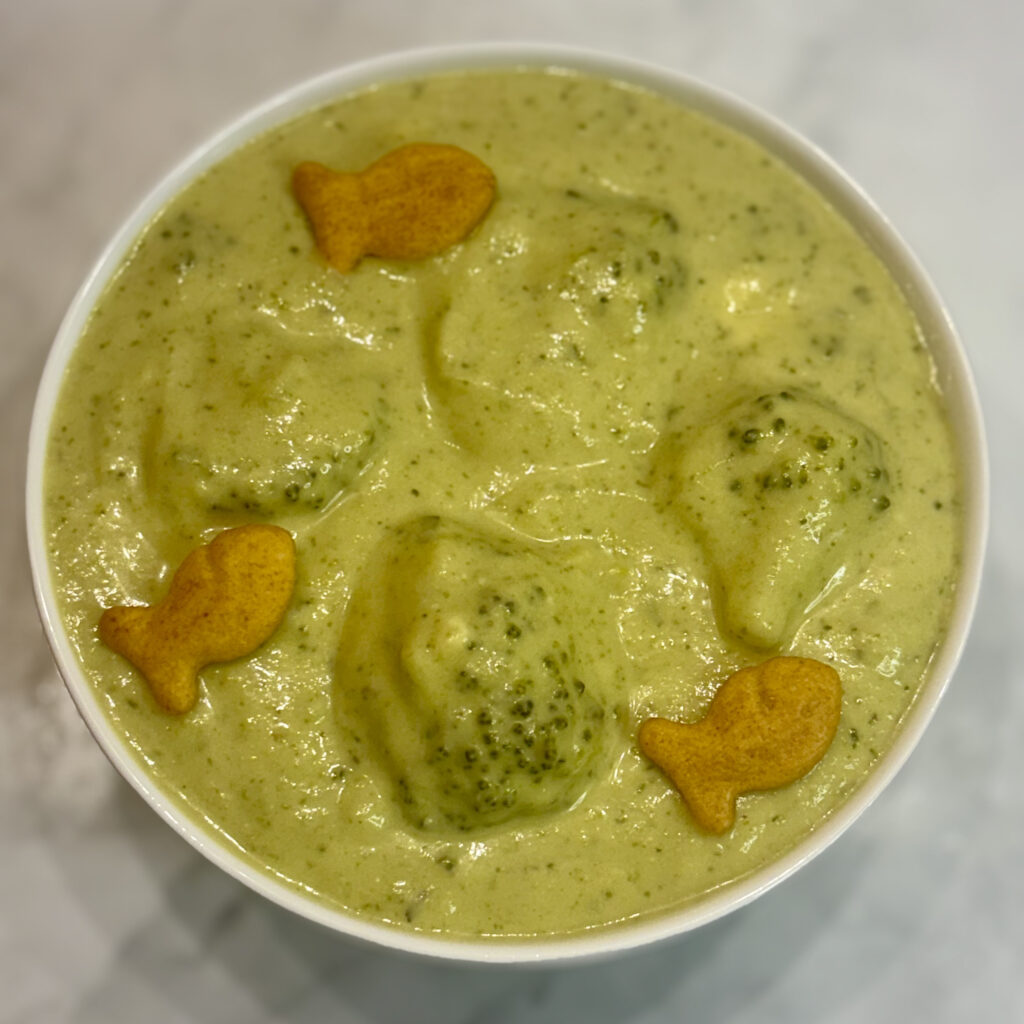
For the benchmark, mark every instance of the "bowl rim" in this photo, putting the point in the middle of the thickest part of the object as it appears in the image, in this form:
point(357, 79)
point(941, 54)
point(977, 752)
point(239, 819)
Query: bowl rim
point(806, 159)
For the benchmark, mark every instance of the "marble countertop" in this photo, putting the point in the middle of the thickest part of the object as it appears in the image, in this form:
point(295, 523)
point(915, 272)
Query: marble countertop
point(917, 913)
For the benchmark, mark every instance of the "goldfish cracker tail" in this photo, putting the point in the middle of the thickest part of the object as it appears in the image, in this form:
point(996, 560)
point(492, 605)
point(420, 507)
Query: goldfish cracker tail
point(126, 629)
point(174, 684)
point(335, 206)
point(315, 185)
point(678, 750)
point(131, 632)
point(712, 803)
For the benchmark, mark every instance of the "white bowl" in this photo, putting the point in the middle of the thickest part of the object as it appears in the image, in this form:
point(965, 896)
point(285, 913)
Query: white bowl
point(954, 377)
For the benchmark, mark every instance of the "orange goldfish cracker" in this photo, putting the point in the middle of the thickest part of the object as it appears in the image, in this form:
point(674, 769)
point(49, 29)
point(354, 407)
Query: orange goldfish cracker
point(767, 726)
point(225, 600)
point(412, 203)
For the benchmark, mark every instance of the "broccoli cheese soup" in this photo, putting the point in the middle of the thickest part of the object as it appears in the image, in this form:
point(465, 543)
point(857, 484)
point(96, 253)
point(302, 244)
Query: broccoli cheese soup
point(661, 415)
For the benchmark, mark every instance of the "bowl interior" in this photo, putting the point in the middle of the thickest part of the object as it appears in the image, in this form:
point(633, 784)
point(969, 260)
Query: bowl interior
point(955, 380)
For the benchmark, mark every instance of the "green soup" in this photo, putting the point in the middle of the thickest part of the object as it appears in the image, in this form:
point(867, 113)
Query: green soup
point(662, 415)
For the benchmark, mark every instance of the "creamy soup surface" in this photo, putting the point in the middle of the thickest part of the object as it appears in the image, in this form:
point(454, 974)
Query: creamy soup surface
point(662, 415)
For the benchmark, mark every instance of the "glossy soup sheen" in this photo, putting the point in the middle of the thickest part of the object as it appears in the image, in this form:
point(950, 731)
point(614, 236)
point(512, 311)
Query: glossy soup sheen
point(662, 415)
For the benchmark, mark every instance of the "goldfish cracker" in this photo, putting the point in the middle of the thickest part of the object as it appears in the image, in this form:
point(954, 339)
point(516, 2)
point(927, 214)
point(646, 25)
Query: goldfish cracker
point(224, 601)
point(412, 203)
point(767, 726)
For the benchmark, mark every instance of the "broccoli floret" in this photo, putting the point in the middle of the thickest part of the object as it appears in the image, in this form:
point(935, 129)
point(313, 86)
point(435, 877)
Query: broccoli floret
point(459, 658)
point(778, 489)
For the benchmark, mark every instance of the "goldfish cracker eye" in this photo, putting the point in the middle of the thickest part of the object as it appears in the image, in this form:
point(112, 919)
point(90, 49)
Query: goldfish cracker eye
point(225, 600)
point(768, 725)
point(412, 203)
